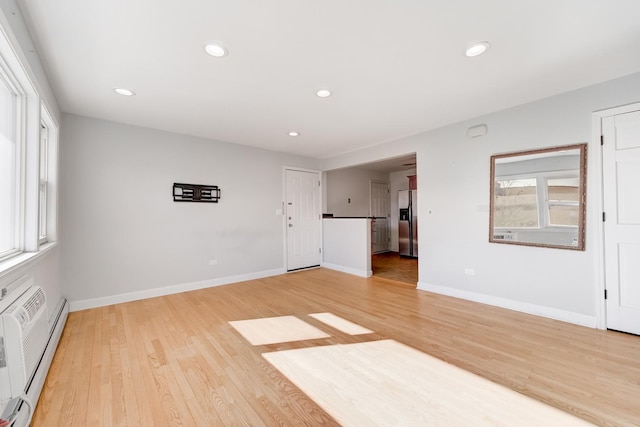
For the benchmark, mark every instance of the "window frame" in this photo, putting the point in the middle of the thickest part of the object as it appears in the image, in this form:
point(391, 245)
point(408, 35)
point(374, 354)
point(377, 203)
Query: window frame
point(31, 112)
point(51, 167)
point(549, 203)
point(43, 184)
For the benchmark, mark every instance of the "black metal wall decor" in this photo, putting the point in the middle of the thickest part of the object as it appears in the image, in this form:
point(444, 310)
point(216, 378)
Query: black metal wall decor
point(195, 193)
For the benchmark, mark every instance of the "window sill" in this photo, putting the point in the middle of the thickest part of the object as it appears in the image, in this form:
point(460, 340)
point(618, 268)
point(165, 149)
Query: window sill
point(25, 259)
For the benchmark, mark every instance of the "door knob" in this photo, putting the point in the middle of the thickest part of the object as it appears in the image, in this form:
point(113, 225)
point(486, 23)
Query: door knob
point(290, 225)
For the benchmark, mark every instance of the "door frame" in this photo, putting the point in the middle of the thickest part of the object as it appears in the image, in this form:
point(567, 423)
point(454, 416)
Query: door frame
point(283, 214)
point(595, 152)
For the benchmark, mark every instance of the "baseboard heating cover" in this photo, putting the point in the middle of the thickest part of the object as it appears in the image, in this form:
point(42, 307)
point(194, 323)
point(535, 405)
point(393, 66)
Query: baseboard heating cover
point(36, 382)
point(25, 330)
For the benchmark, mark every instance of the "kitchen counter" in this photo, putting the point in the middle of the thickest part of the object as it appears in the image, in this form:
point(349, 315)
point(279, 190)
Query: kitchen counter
point(347, 245)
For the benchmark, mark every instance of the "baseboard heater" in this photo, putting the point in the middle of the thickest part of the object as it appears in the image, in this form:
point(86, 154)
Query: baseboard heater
point(27, 346)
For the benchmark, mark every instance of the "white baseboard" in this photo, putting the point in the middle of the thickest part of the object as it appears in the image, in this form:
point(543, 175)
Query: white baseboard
point(538, 310)
point(348, 270)
point(168, 290)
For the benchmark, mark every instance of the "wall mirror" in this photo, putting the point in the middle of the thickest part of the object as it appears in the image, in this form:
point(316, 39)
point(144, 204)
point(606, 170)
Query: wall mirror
point(538, 197)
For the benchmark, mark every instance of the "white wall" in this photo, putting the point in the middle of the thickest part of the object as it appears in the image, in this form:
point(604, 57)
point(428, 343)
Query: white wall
point(125, 238)
point(351, 184)
point(453, 181)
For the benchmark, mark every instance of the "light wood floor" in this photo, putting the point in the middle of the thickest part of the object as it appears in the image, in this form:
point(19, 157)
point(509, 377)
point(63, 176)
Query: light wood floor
point(390, 265)
point(175, 360)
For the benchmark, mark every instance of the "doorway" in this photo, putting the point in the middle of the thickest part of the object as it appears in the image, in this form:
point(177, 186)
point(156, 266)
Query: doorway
point(384, 263)
point(620, 156)
point(391, 265)
point(348, 194)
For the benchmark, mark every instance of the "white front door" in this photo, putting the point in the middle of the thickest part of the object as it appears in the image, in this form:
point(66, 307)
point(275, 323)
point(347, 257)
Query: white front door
point(303, 219)
point(621, 181)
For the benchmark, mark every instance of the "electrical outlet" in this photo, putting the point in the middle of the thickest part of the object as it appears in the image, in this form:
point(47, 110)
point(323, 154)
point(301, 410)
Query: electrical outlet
point(213, 262)
point(469, 272)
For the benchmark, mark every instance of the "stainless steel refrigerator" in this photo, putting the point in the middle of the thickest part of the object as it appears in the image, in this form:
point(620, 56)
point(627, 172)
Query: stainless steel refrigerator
point(408, 223)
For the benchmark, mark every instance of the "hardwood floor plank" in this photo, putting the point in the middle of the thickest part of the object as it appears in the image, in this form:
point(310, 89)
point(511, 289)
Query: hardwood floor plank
point(176, 360)
point(390, 265)
point(340, 324)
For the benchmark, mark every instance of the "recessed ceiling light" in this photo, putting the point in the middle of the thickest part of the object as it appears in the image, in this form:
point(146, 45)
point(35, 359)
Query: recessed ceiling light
point(215, 49)
point(294, 133)
point(124, 92)
point(477, 49)
point(323, 93)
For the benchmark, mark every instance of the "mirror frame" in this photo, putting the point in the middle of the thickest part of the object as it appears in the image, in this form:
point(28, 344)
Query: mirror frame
point(582, 206)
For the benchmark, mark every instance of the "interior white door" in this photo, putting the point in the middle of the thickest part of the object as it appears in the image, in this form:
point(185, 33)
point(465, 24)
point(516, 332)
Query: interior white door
point(303, 219)
point(381, 235)
point(380, 208)
point(621, 180)
point(380, 199)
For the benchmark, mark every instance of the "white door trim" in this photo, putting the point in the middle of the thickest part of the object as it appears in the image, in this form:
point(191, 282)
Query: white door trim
point(285, 243)
point(597, 229)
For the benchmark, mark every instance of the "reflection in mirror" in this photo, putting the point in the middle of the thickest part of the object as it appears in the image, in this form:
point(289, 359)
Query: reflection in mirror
point(538, 197)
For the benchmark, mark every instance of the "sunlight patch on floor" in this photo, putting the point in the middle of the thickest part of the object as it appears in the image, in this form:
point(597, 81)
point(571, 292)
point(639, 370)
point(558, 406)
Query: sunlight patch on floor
point(343, 325)
point(383, 383)
point(273, 330)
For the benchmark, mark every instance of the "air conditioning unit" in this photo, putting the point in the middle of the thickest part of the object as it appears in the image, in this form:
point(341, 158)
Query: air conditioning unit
point(24, 336)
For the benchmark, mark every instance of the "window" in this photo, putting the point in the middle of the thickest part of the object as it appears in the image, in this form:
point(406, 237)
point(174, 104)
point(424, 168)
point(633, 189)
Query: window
point(563, 197)
point(28, 162)
point(9, 166)
point(42, 189)
point(516, 203)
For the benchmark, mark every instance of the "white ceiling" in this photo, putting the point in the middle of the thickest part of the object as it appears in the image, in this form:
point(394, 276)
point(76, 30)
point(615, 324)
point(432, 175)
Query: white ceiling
point(395, 67)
